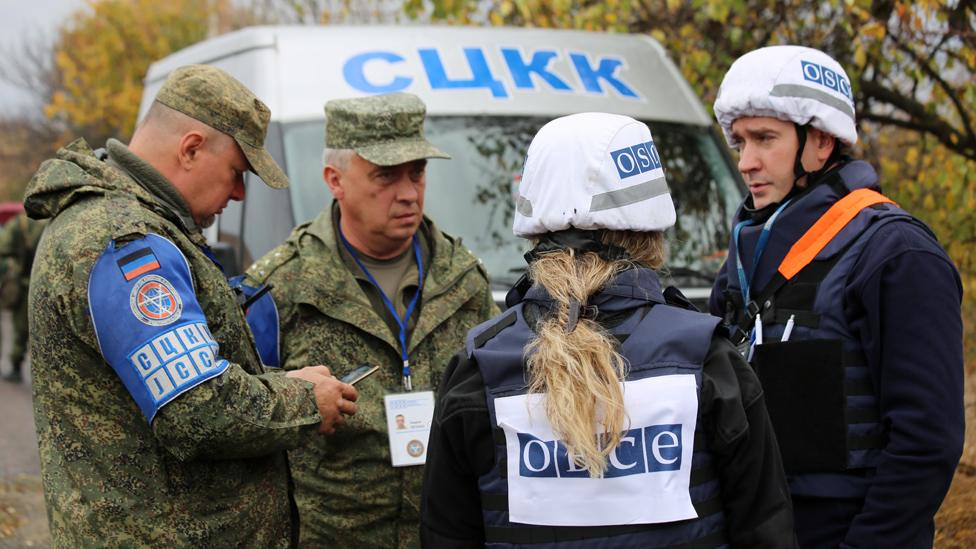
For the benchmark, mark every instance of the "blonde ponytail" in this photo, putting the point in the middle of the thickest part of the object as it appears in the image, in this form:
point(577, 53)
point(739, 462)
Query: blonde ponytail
point(580, 371)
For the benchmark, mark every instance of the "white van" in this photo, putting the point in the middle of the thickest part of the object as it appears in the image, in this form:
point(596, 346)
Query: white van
point(487, 91)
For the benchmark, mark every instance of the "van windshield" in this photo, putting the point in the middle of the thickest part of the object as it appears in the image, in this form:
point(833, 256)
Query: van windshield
point(471, 195)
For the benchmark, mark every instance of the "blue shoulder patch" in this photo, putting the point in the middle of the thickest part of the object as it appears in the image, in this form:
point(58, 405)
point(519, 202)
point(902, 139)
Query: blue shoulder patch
point(149, 325)
point(262, 317)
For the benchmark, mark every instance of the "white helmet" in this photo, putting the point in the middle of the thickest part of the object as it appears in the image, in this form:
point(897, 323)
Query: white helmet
point(593, 171)
point(793, 83)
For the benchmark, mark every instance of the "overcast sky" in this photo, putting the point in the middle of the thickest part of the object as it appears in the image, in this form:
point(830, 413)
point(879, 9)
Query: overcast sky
point(19, 20)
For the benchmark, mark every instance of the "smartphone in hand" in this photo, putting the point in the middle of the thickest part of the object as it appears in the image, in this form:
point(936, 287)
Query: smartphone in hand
point(358, 374)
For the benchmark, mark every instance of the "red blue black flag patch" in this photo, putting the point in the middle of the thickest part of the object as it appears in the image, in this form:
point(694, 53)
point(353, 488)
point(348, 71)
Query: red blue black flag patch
point(137, 263)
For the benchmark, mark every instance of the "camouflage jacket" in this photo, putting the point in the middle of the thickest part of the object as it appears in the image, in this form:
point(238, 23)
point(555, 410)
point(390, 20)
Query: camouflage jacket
point(18, 242)
point(348, 493)
point(210, 470)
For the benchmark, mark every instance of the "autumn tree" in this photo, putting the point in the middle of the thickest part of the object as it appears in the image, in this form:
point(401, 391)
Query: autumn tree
point(89, 76)
point(912, 65)
point(27, 137)
point(103, 53)
point(313, 12)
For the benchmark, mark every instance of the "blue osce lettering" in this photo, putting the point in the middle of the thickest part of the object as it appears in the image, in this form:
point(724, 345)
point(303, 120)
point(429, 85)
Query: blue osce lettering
point(812, 72)
point(651, 449)
point(637, 159)
point(593, 75)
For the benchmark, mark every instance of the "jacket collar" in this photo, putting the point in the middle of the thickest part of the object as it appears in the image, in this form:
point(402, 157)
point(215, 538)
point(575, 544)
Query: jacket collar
point(335, 292)
point(162, 190)
point(634, 287)
point(837, 182)
point(77, 173)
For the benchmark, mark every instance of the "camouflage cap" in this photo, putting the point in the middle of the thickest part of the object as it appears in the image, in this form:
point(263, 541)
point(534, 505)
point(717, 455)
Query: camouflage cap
point(217, 99)
point(385, 129)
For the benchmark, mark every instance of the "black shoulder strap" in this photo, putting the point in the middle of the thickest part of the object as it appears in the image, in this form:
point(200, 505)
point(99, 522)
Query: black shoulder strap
point(490, 332)
point(674, 297)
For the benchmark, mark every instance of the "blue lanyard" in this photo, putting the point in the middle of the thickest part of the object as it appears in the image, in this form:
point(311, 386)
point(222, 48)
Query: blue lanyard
point(401, 322)
point(744, 281)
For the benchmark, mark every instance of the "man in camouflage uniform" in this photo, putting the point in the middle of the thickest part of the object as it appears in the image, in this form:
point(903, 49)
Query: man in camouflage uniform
point(129, 314)
point(348, 493)
point(18, 242)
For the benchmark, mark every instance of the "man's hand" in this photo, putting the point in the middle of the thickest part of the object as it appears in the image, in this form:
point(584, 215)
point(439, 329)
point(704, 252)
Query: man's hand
point(311, 374)
point(333, 397)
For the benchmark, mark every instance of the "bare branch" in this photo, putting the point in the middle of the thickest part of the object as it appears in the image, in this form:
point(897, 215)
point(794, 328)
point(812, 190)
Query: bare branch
point(951, 92)
point(29, 65)
point(933, 127)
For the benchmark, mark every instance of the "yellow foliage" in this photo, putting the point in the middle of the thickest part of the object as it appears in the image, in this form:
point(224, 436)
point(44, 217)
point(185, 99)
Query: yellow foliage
point(934, 182)
point(874, 29)
point(860, 55)
point(911, 156)
point(718, 10)
point(938, 187)
point(104, 52)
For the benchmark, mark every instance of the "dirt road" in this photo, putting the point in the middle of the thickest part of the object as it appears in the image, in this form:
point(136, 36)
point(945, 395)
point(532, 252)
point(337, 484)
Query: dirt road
point(23, 520)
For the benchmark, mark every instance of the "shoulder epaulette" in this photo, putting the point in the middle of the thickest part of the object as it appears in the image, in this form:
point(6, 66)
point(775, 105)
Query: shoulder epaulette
point(272, 261)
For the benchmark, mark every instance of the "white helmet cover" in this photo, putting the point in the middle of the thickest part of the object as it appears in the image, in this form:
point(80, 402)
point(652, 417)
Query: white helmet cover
point(593, 171)
point(793, 83)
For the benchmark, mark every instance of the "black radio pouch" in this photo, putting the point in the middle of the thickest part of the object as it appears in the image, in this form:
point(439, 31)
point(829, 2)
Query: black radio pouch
point(803, 383)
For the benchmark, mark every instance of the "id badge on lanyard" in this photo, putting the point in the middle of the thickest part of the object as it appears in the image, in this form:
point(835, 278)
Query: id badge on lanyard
point(408, 414)
point(408, 420)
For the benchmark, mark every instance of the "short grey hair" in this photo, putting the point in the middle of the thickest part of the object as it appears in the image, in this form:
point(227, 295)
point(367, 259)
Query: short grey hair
point(173, 122)
point(337, 157)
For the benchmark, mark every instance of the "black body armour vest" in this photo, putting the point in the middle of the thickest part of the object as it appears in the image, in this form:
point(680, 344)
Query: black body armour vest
point(657, 340)
point(820, 397)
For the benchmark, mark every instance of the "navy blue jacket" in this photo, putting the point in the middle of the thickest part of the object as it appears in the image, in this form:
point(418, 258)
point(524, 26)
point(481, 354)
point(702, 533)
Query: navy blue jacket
point(902, 299)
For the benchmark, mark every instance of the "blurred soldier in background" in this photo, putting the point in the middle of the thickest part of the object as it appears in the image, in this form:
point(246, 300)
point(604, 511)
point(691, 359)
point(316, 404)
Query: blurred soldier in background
point(18, 241)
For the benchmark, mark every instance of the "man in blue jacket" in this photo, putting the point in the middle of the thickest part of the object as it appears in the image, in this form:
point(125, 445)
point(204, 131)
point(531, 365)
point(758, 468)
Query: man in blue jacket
point(846, 305)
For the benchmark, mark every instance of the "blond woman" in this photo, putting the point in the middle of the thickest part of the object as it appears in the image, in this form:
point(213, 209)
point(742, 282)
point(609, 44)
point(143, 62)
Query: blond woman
point(600, 410)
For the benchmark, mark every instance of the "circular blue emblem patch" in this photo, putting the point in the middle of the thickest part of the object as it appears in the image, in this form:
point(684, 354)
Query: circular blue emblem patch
point(155, 302)
point(415, 448)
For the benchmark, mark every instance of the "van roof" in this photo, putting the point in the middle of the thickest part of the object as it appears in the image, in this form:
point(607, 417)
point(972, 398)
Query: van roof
point(455, 70)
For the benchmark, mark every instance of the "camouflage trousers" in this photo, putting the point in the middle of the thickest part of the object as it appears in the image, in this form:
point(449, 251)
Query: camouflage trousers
point(18, 347)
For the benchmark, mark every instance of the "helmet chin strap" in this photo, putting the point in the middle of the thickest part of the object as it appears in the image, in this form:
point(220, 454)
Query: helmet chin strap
point(801, 138)
point(799, 171)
